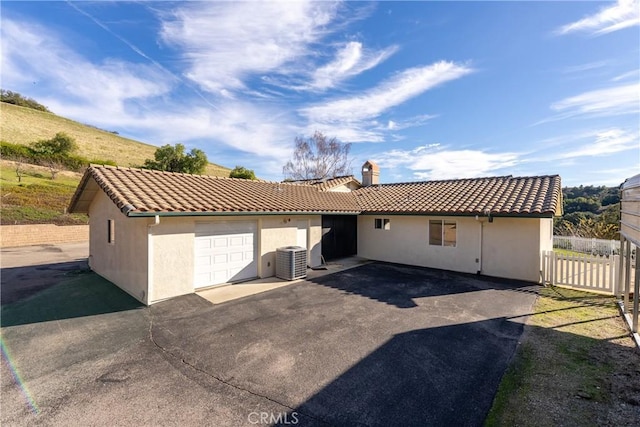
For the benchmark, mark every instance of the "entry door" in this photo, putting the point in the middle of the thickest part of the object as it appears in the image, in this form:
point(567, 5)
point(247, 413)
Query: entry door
point(225, 251)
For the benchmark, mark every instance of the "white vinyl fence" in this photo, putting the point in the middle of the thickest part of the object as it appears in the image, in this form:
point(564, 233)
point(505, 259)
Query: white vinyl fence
point(588, 272)
point(586, 245)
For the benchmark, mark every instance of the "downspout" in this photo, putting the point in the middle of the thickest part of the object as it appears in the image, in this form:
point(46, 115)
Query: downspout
point(479, 259)
point(487, 212)
point(150, 263)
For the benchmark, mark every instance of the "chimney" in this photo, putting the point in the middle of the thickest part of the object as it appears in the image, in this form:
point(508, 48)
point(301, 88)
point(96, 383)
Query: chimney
point(370, 174)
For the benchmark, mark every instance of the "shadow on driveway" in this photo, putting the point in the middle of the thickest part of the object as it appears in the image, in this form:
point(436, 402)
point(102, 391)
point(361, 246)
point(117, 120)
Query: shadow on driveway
point(427, 377)
point(74, 293)
point(403, 284)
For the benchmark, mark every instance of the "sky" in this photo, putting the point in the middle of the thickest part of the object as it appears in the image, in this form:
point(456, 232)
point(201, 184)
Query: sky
point(428, 90)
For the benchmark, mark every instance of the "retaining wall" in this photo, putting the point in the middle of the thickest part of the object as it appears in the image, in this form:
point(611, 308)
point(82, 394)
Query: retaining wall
point(38, 234)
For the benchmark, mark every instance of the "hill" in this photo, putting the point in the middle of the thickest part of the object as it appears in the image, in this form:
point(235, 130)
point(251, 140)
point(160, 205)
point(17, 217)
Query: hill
point(590, 211)
point(20, 125)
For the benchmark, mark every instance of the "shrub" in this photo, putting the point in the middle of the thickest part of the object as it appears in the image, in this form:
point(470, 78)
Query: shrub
point(11, 151)
point(16, 99)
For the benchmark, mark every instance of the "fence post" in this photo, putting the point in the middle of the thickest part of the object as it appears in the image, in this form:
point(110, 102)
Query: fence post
point(620, 276)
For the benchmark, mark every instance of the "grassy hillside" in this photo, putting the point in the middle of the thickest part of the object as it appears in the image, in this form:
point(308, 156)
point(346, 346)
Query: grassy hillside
point(20, 125)
point(37, 198)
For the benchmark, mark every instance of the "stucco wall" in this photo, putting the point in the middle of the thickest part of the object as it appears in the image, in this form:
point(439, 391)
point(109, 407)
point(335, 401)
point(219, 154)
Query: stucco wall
point(345, 188)
point(40, 234)
point(173, 248)
point(407, 242)
point(124, 262)
point(278, 231)
point(510, 246)
point(172, 253)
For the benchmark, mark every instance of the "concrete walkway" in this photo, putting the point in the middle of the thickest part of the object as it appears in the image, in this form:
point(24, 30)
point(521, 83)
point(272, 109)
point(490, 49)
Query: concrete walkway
point(229, 292)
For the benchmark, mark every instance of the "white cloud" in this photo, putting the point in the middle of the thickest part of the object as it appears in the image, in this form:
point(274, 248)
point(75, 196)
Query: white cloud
point(584, 67)
point(624, 14)
point(226, 42)
point(627, 75)
point(605, 142)
point(350, 61)
point(134, 97)
point(31, 55)
point(435, 162)
point(616, 100)
point(395, 91)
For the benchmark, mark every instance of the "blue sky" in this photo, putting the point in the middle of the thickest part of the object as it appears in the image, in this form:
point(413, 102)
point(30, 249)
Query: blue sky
point(429, 90)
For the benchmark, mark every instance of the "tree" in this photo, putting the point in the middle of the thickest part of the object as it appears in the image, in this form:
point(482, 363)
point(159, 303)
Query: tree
point(318, 157)
point(54, 167)
point(173, 159)
point(19, 167)
point(60, 145)
point(581, 204)
point(242, 172)
point(16, 99)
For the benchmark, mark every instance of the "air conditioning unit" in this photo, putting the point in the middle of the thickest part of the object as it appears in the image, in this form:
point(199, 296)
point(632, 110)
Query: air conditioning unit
point(291, 262)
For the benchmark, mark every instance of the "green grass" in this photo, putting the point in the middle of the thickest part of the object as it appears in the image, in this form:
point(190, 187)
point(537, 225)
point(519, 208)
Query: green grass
point(566, 370)
point(20, 125)
point(37, 198)
point(568, 252)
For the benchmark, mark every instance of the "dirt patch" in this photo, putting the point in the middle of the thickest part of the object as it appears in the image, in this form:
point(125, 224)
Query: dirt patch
point(576, 365)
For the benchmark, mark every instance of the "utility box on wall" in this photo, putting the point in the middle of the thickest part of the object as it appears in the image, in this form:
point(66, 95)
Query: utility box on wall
point(291, 262)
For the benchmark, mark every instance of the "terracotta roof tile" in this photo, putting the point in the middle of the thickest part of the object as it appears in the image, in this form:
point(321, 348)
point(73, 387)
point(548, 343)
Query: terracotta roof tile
point(147, 191)
point(327, 184)
point(498, 195)
point(154, 191)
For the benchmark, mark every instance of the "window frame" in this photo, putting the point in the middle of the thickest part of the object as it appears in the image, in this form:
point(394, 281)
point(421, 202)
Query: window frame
point(382, 224)
point(111, 232)
point(442, 240)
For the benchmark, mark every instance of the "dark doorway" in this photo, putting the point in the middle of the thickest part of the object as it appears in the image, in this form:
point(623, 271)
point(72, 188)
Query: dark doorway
point(339, 236)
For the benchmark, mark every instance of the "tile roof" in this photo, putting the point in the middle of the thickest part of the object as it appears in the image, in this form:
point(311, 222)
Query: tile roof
point(498, 195)
point(148, 191)
point(327, 184)
point(141, 191)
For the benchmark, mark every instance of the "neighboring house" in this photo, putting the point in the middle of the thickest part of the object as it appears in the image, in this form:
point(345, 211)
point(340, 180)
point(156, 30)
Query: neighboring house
point(158, 235)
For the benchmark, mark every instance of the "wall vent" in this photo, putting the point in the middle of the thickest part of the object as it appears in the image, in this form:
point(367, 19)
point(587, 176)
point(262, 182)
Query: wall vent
point(291, 262)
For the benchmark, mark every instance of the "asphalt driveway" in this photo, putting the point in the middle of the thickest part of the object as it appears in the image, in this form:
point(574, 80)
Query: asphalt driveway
point(380, 344)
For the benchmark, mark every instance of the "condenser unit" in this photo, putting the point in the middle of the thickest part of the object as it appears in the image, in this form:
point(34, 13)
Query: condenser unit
point(291, 262)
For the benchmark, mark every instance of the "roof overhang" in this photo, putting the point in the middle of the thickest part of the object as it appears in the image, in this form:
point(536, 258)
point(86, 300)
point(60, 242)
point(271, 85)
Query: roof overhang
point(463, 214)
point(232, 213)
point(84, 195)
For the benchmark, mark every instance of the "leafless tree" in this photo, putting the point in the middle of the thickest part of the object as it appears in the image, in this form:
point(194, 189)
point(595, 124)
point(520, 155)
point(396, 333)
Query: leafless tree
point(19, 167)
point(318, 157)
point(54, 167)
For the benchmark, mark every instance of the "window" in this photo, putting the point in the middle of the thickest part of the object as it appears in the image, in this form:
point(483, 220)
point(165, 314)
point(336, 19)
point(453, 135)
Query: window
point(442, 233)
point(382, 224)
point(111, 232)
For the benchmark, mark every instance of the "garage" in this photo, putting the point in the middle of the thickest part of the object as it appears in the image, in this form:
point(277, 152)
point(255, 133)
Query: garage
point(225, 251)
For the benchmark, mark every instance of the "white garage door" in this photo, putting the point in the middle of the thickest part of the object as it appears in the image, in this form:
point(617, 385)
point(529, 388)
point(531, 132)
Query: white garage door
point(225, 252)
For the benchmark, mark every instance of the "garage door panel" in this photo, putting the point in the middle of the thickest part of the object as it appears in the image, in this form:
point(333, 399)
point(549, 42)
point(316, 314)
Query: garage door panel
point(220, 259)
point(202, 261)
point(203, 243)
point(221, 242)
point(225, 252)
point(236, 241)
point(236, 257)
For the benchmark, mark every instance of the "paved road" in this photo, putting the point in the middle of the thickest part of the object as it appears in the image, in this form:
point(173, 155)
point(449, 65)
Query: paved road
point(30, 269)
point(380, 344)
